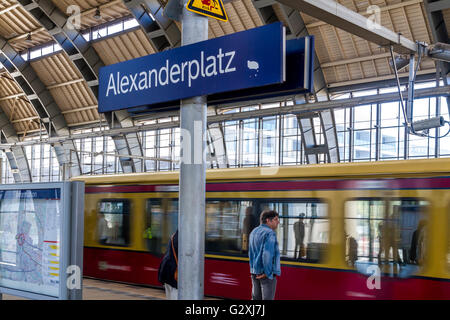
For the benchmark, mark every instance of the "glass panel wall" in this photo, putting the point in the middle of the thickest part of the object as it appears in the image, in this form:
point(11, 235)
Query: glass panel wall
point(370, 132)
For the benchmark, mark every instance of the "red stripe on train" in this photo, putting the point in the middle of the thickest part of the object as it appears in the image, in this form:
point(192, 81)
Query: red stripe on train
point(413, 183)
point(231, 279)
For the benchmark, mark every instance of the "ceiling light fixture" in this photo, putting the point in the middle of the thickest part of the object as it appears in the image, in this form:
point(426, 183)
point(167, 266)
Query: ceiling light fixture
point(29, 39)
point(97, 15)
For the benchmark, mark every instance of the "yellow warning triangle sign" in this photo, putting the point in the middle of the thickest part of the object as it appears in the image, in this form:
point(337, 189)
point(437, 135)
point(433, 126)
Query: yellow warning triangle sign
point(209, 8)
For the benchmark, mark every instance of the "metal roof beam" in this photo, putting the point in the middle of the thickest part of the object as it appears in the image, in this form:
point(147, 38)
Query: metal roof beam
point(7, 9)
point(296, 29)
point(375, 79)
point(217, 145)
point(41, 99)
point(16, 155)
point(356, 60)
point(438, 5)
point(162, 32)
point(440, 34)
point(343, 18)
point(368, 13)
point(389, 83)
point(72, 42)
point(86, 60)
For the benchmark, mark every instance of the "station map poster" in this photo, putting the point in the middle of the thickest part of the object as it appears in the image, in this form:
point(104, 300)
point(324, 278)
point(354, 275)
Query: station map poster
point(30, 240)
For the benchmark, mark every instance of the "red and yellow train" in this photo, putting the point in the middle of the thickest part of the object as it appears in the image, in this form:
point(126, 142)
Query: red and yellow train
point(347, 231)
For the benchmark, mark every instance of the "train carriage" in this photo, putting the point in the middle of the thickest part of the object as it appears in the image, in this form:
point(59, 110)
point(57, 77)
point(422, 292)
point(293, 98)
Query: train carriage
point(347, 231)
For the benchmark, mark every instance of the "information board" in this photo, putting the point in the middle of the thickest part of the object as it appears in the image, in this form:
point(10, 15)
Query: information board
point(35, 239)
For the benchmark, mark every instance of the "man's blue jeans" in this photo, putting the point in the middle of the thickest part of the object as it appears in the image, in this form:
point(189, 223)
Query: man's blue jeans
point(263, 289)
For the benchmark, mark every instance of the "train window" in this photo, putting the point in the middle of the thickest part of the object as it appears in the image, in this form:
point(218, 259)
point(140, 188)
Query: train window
point(389, 233)
point(228, 224)
point(161, 223)
point(113, 224)
point(303, 232)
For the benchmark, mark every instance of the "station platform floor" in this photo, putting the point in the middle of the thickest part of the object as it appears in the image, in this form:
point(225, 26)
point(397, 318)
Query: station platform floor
point(94, 289)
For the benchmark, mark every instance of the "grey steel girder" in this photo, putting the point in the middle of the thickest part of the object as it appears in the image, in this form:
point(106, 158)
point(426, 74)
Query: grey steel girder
point(41, 99)
point(297, 29)
point(440, 34)
point(217, 146)
point(438, 5)
point(88, 62)
point(126, 144)
point(16, 155)
point(162, 32)
point(73, 43)
point(343, 18)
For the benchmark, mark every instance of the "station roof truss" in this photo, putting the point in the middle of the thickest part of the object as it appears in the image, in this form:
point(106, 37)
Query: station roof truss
point(59, 66)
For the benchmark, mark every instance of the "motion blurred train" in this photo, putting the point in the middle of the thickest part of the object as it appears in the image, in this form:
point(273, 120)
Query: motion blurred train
point(347, 231)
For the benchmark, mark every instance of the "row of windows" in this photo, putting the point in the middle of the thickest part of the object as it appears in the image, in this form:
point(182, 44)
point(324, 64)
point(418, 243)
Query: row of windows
point(385, 232)
point(91, 34)
point(365, 133)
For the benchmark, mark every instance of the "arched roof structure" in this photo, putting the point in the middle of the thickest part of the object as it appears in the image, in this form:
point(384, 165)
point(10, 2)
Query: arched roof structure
point(49, 70)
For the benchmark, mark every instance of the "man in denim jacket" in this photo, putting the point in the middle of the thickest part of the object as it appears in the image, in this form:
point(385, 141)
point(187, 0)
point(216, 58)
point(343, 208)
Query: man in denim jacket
point(264, 257)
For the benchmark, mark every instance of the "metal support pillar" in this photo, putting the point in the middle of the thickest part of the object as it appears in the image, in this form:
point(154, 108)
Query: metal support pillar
point(191, 218)
point(437, 145)
point(410, 104)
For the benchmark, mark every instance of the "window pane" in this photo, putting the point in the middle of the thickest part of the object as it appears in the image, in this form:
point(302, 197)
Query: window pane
point(390, 114)
point(225, 225)
point(115, 28)
point(128, 24)
point(250, 142)
point(363, 145)
point(363, 117)
point(35, 53)
point(113, 222)
point(389, 145)
point(47, 50)
point(390, 233)
point(270, 141)
point(303, 231)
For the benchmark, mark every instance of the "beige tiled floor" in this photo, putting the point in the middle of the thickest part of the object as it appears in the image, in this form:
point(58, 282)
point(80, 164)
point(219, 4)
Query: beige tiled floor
point(106, 290)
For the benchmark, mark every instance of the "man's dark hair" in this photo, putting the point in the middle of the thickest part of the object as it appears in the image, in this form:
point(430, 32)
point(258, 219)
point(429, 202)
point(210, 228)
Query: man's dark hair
point(268, 214)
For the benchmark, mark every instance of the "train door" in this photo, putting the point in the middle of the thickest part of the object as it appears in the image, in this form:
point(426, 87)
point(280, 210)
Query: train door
point(385, 241)
point(303, 238)
point(160, 223)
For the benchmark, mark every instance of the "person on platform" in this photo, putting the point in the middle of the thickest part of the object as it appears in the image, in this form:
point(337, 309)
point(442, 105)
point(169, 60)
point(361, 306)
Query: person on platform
point(299, 232)
point(417, 243)
point(168, 269)
point(264, 257)
point(103, 229)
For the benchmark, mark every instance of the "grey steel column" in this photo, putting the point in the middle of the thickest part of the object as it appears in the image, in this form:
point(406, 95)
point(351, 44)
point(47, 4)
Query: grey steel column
point(410, 104)
point(191, 218)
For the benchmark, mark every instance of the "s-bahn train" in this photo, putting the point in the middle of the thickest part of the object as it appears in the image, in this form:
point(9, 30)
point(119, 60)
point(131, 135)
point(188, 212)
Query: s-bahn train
point(347, 231)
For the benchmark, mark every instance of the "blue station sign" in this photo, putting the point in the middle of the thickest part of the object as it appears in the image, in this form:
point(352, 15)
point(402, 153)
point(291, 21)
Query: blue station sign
point(247, 59)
